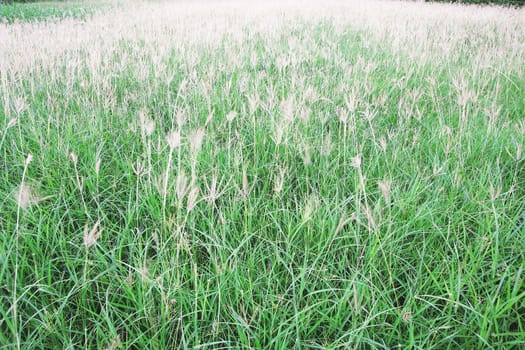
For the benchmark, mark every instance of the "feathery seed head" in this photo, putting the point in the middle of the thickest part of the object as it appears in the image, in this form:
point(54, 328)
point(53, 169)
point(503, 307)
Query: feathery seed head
point(181, 186)
point(25, 196)
point(192, 198)
point(231, 116)
point(173, 139)
point(278, 180)
point(287, 109)
point(343, 115)
point(74, 158)
point(146, 125)
point(29, 159)
point(196, 138)
point(91, 236)
point(355, 162)
point(385, 187)
point(12, 122)
point(97, 166)
point(310, 207)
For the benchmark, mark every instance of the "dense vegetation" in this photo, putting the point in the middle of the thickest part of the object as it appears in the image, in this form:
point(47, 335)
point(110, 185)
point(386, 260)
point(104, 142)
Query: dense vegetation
point(22, 12)
point(268, 175)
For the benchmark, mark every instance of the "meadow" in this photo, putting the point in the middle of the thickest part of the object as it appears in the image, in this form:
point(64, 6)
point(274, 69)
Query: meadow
point(266, 175)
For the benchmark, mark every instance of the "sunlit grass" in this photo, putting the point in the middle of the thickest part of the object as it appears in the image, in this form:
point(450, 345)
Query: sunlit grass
point(223, 175)
point(48, 10)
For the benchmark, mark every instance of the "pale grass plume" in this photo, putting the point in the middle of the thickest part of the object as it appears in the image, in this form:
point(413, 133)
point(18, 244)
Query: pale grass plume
point(493, 114)
point(287, 108)
point(91, 236)
point(343, 115)
point(180, 118)
point(20, 104)
point(159, 182)
point(343, 221)
point(382, 143)
point(29, 159)
point(494, 192)
point(253, 103)
point(181, 186)
point(173, 139)
point(519, 149)
point(231, 116)
point(245, 185)
point(304, 114)
point(146, 125)
point(215, 189)
point(278, 134)
point(278, 180)
point(310, 207)
point(368, 213)
point(385, 186)
point(115, 344)
point(12, 123)
point(213, 193)
point(196, 138)
point(351, 102)
point(306, 154)
point(328, 145)
point(355, 162)
point(144, 272)
point(74, 158)
point(25, 196)
point(97, 166)
point(193, 195)
point(79, 179)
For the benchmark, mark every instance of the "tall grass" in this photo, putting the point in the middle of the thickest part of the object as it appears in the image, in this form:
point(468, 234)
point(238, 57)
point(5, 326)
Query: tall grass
point(277, 175)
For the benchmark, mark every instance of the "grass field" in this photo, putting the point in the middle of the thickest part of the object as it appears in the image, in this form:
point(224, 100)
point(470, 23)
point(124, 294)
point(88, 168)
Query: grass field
point(50, 10)
point(287, 175)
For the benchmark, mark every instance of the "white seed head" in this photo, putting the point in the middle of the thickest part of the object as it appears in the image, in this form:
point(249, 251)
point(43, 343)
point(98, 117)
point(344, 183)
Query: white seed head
point(29, 158)
point(147, 125)
point(97, 166)
point(192, 198)
point(245, 184)
point(231, 116)
point(307, 157)
point(181, 185)
point(25, 196)
point(385, 187)
point(196, 137)
point(343, 115)
point(12, 122)
point(328, 145)
point(287, 109)
point(278, 134)
point(278, 180)
point(173, 139)
point(310, 207)
point(91, 236)
point(355, 162)
point(180, 118)
point(74, 158)
point(213, 192)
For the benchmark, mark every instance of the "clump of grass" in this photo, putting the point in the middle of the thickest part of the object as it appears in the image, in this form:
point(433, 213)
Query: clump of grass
point(11, 12)
point(264, 176)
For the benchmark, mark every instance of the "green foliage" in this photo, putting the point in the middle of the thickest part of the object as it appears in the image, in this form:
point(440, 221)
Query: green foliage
point(29, 11)
point(389, 214)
